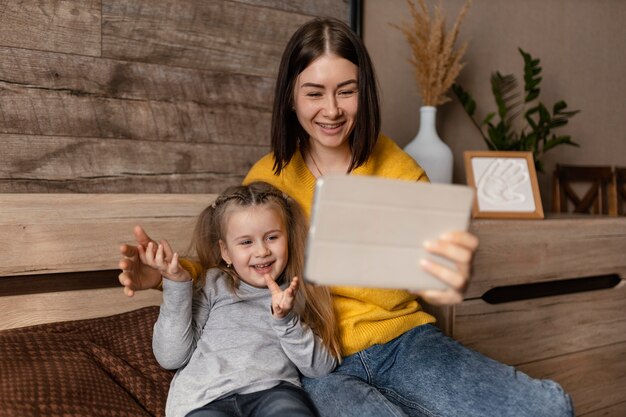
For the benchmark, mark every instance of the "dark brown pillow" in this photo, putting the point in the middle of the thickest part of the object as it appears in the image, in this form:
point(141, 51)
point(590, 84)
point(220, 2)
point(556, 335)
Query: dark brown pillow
point(96, 367)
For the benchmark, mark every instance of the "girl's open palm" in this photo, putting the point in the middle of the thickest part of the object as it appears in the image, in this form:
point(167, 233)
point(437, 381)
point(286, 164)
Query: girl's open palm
point(282, 300)
point(169, 269)
point(136, 274)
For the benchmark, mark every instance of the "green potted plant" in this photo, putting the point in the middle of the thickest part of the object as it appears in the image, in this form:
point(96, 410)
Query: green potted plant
point(520, 124)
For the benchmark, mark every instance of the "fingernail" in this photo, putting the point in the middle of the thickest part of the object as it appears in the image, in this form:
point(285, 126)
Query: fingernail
point(429, 244)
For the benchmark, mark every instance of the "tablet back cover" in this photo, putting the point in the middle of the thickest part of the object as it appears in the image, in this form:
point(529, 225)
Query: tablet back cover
point(369, 231)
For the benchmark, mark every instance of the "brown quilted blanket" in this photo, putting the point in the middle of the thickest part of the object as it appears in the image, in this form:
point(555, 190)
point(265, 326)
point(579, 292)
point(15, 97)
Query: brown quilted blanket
point(96, 367)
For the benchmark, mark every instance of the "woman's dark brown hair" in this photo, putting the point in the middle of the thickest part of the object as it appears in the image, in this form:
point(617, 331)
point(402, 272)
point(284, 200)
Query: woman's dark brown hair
point(309, 42)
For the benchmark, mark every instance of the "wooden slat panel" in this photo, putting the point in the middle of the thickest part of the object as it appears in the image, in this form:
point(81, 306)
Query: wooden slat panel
point(217, 35)
point(337, 8)
point(62, 208)
point(65, 247)
point(58, 113)
point(80, 75)
point(55, 94)
point(71, 26)
point(174, 183)
point(522, 251)
point(526, 331)
point(46, 233)
point(28, 310)
point(594, 378)
point(45, 164)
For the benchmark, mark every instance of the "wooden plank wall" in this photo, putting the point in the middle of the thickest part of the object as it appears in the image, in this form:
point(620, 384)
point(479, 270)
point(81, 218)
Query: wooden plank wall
point(148, 96)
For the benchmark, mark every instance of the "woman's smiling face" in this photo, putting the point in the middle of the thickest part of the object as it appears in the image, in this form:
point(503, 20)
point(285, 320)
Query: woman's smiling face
point(326, 101)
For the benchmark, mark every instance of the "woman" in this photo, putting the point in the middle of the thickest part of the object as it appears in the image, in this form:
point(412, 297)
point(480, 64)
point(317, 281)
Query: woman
point(326, 120)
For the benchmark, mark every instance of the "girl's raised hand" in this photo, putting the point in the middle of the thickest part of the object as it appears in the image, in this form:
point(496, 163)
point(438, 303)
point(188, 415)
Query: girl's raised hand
point(282, 301)
point(458, 247)
point(136, 274)
point(171, 270)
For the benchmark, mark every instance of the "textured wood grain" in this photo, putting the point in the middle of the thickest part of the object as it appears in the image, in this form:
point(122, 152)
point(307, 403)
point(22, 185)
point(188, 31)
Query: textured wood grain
point(212, 34)
point(75, 116)
point(576, 339)
point(54, 94)
point(47, 233)
point(63, 164)
point(70, 26)
point(339, 9)
point(81, 75)
point(58, 113)
point(523, 251)
point(193, 183)
point(111, 96)
point(531, 330)
point(595, 378)
point(28, 310)
point(614, 410)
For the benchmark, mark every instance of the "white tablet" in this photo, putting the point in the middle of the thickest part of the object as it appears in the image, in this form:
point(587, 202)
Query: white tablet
point(370, 231)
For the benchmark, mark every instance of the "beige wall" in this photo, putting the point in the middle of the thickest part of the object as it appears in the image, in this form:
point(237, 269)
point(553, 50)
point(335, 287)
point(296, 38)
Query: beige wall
point(581, 44)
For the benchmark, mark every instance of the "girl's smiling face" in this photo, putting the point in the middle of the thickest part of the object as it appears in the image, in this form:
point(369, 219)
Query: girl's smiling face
point(256, 243)
point(326, 101)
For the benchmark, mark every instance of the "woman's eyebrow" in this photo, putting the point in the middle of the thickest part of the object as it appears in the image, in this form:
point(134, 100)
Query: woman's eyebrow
point(341, 84)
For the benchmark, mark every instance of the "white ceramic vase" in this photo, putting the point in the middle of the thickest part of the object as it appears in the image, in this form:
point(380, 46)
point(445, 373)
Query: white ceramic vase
point(429, 150)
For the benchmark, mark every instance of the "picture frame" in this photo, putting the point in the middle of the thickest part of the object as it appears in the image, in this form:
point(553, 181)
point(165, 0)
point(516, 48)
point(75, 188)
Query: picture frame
point(505, 183)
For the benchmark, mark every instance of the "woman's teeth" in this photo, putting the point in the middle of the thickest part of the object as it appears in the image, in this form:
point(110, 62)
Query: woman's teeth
point(327, 126)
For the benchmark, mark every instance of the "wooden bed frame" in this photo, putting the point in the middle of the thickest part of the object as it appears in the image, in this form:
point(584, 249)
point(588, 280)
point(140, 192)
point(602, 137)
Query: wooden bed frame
point(61, 254)
point(48, 238)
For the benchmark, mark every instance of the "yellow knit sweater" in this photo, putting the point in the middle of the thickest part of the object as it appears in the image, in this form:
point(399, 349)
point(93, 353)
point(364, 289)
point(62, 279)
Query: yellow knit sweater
point(366, 316)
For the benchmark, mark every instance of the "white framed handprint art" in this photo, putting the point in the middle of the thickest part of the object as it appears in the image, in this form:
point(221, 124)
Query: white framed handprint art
point(505, 183)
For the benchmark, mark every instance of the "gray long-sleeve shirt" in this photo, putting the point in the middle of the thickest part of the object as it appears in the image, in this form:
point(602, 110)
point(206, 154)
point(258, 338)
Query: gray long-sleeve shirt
point(224, 343)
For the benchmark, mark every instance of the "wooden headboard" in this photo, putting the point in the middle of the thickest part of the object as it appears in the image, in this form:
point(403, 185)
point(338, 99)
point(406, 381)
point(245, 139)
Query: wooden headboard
point(60, 251)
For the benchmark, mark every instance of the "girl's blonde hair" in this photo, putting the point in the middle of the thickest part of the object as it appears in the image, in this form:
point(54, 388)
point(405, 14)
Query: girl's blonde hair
point(211, 228)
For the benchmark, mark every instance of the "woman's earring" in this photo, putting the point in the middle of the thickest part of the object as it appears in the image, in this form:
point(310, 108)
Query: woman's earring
point(228, 265)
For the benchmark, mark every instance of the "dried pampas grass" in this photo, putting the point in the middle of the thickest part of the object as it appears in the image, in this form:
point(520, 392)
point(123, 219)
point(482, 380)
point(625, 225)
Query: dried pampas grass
point(435, 59)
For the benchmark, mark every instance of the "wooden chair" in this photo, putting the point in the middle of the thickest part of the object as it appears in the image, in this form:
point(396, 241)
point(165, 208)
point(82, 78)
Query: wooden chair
point(620, 190)
point(587, 188)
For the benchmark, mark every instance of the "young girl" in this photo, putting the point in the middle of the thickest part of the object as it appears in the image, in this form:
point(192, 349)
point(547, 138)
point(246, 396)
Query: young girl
point(240, 339)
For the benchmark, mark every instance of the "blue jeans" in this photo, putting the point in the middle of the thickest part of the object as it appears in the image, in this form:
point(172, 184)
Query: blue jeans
point(282, 400)
point(425, 373)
